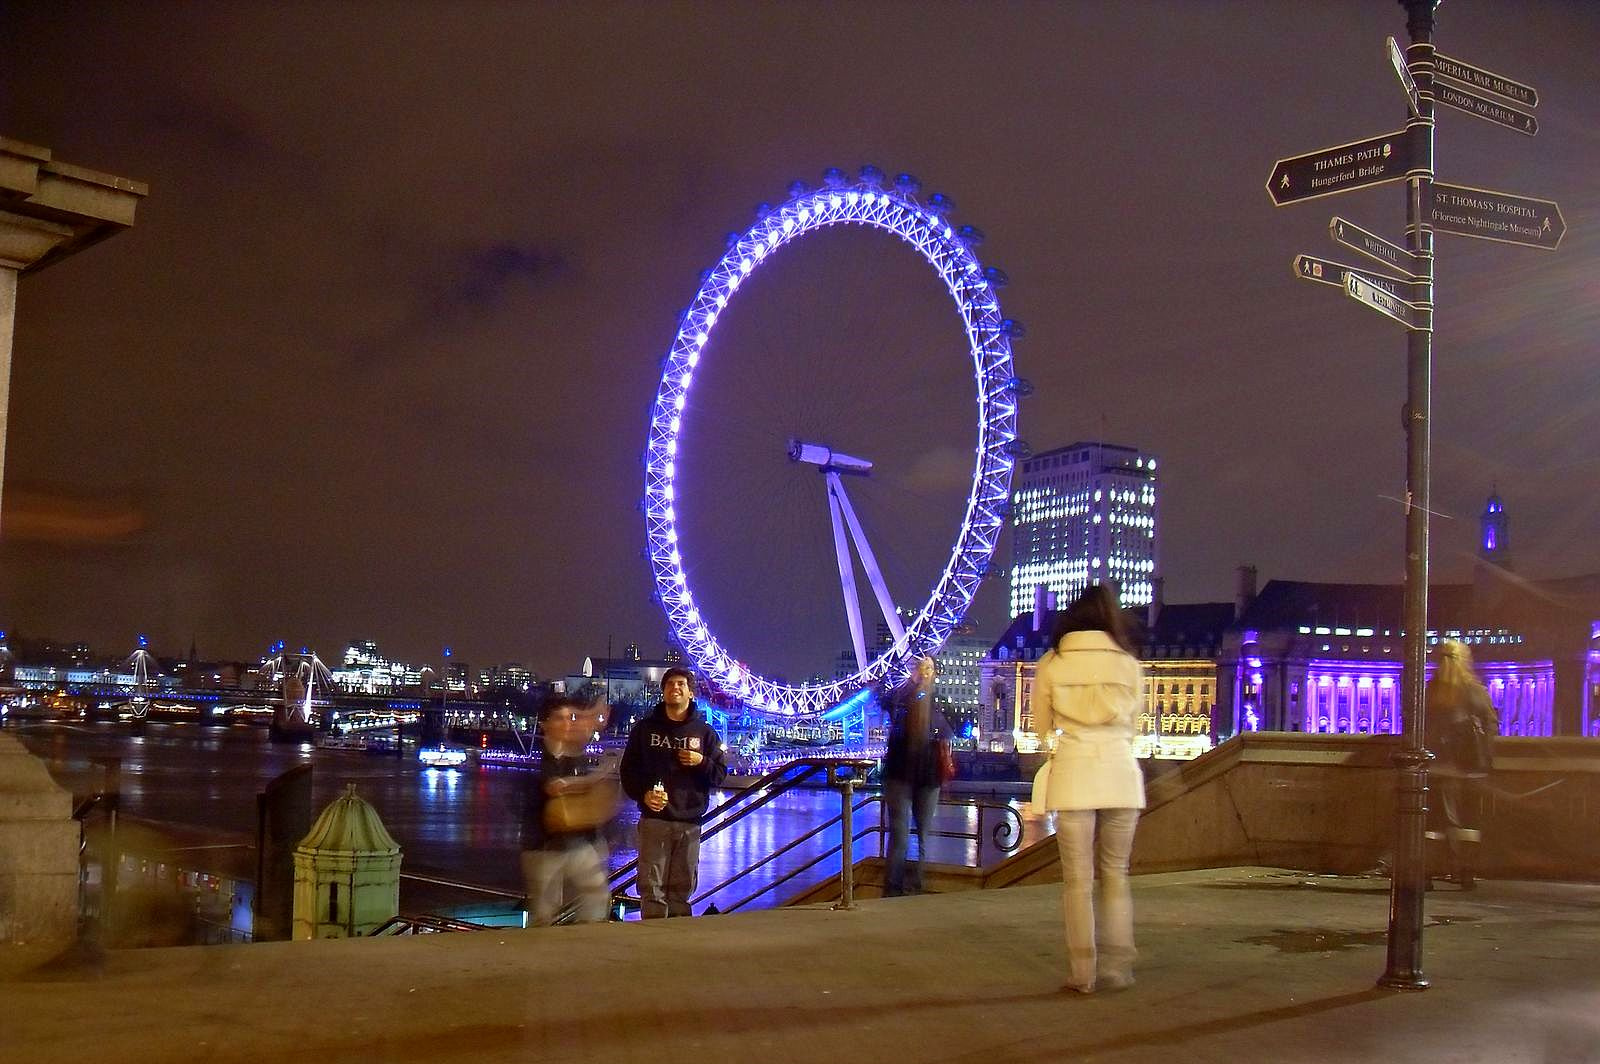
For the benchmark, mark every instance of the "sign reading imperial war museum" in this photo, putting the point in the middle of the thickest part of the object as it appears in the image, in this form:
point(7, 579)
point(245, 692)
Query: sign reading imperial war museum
point(1341, 168)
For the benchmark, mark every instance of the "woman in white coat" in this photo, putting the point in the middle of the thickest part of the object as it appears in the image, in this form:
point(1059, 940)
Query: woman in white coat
point(1086, 694)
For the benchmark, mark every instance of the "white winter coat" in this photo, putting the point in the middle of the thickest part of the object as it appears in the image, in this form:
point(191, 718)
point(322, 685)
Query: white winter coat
point(1088, 691)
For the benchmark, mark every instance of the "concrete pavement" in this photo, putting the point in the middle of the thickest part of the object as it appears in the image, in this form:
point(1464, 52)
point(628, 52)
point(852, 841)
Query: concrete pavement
point(1236, 965)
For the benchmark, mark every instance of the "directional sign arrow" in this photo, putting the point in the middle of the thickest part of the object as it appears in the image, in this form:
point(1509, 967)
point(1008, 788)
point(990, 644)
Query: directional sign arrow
point(1373, 246)
point(1403, 72)
point(1341, 168)
point(1485, 80)
point(1411, 316)
point(1490, 215)
point(1326, 271)
point(1485, 108)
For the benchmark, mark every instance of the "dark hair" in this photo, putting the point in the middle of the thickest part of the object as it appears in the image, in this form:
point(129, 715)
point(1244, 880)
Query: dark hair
point(676, 670)
point(1094, 610)
point(555, 702)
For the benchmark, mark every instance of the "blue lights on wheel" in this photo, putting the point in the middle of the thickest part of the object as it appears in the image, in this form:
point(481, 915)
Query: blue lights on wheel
point(896, 210)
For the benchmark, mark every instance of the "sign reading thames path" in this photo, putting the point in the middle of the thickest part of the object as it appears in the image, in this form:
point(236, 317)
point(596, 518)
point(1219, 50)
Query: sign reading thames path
point(1341, 168)
point(1479, 212)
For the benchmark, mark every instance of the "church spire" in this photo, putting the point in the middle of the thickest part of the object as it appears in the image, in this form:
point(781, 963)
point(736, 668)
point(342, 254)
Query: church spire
point(1493, 545)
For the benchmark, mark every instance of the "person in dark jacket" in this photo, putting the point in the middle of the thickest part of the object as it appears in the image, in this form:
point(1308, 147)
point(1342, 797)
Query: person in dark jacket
point(566, 807)
point(1460, 731)
point(672, 762)
point(911, 774)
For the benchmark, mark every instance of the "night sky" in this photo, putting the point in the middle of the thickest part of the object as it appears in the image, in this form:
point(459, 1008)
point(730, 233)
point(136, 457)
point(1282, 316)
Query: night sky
point(377, 358)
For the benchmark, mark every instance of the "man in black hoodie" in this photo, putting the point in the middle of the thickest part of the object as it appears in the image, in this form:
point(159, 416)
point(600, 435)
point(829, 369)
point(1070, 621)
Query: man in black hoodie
point(673, 760)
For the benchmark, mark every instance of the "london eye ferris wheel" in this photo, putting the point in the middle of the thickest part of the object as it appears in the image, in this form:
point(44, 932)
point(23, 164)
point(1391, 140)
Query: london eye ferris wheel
point(896, 208)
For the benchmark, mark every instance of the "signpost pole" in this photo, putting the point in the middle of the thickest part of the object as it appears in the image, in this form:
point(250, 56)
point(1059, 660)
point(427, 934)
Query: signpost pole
point(1409, 878)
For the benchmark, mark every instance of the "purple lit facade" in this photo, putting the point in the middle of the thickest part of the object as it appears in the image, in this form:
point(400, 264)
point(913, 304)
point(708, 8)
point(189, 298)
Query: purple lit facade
point(1327, 657)
point(1364, 697)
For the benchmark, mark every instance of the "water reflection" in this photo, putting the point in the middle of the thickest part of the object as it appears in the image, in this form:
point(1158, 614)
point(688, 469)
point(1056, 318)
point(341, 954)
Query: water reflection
point(455, 824)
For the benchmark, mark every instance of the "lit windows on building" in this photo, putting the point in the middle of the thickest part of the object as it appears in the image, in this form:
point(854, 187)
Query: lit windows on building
point(1085, 514)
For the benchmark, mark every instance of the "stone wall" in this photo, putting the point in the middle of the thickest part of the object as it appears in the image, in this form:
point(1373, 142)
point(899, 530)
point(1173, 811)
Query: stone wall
point(1325, 803)
point(38, 853)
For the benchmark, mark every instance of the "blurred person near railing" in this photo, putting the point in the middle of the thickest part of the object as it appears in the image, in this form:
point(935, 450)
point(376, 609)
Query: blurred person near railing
point(912, 775)
point(673, 760)
point(1087, 695)
point(1461, 726)
point(567, 806)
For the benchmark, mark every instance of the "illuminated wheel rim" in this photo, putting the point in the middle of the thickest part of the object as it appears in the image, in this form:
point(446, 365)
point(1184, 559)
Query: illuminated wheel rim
point(950, 252)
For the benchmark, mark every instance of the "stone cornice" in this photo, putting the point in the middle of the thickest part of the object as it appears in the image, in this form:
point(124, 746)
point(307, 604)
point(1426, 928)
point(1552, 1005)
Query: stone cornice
point(51, 209)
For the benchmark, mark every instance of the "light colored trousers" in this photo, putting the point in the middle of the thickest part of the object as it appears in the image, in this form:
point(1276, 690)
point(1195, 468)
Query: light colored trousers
point(1097, 841)
point(550, 874)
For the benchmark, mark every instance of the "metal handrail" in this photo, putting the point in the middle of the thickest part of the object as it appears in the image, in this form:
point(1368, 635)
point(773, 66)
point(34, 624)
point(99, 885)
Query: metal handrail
point(800, 869)
point(89, 804)
point(420, 924)
point(1006, 835)
point(745, 802)
point(780, 851)
point(474, 888)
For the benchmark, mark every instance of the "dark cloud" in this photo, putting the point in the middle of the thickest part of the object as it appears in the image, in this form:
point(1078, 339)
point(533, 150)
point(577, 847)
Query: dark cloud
point(464, 286)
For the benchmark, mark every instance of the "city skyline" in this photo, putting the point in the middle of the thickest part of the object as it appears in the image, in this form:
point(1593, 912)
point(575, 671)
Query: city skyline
point(378, 355)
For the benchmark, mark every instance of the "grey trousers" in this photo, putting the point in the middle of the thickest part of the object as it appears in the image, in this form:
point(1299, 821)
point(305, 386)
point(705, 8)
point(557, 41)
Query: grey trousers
point(555, 875)
point(669, 866)
point(1096, 844)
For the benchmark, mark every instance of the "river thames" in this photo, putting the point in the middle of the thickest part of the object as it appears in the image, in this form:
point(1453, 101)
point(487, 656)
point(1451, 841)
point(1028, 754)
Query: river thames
point(198, 786)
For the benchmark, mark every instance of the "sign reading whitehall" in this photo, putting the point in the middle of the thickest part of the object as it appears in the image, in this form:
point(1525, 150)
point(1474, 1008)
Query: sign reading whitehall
point(1341, 168)
point(1489, 215)
point(1373, 246)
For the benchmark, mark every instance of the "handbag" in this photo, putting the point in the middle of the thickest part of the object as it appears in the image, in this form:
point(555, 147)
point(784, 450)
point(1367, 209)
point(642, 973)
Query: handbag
point(1041, 787)
point(581, 806)
point(947, 762)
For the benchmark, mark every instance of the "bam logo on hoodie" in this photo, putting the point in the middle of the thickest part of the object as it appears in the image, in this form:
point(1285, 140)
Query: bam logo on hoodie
point(681, 742)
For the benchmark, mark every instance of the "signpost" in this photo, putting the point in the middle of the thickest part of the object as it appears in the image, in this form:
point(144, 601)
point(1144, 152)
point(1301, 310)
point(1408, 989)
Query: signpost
point(1408, 154)
point(1341, 168)
point(1487, 80)
point(1326, 271)
point(1373, 246)
point(1485, 108)
point(1397, 60)
point(1363, 289)
point(1490, 215)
